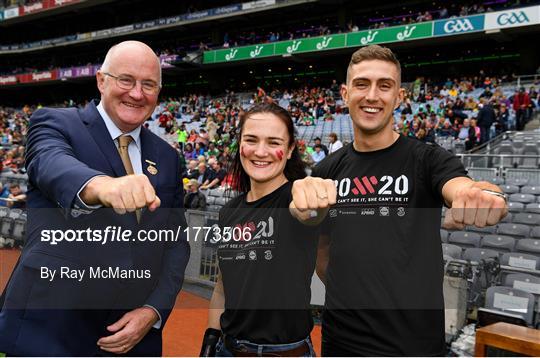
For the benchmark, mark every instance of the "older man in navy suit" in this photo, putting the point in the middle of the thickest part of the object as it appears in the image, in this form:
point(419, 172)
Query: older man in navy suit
point(82, 295)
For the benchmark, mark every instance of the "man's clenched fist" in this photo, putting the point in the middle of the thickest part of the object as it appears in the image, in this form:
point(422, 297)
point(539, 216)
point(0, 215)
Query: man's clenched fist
point(124, 194)
point(475, 206)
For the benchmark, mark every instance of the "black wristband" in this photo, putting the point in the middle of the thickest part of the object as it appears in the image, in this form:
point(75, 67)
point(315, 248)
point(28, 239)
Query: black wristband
point(210, 340)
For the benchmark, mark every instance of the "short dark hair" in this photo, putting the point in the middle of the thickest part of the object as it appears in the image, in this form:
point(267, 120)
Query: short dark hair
point(374, 52)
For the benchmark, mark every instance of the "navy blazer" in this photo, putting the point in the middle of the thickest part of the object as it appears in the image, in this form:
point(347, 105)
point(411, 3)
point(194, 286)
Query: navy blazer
point(66, 317)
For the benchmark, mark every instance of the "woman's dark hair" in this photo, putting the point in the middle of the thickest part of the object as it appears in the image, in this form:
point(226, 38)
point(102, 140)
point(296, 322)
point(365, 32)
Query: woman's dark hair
point(295, 167)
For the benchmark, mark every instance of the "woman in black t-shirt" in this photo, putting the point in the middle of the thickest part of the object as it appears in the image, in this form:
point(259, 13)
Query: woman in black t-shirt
point(261, 302)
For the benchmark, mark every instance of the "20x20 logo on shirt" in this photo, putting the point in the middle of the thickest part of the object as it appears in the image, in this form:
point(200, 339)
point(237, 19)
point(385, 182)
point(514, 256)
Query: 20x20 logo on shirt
point(369, 185)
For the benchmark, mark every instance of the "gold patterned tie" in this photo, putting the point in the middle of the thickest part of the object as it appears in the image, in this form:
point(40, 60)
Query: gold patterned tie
point(123, 144)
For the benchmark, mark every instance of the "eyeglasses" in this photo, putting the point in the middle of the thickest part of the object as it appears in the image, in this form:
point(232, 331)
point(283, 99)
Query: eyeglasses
point(128, 83)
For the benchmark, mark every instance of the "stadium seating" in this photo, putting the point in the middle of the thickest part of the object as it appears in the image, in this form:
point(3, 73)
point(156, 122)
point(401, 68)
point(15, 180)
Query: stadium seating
point(452, 251)
point(499, 243)
point(524, 308)
point(521, 260)
point(513, 229)
point(476, 254)
point(528, 246)
point(464, 239)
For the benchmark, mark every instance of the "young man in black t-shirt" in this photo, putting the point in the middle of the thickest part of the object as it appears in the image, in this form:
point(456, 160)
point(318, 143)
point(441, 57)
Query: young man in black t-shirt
point(379, 249)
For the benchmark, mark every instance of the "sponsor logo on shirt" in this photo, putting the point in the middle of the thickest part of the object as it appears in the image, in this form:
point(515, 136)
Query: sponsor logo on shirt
point(240, 256)
point(268, 255)
point(252, 255)
point(384, 211)
point(368, 212)
point(366, 185)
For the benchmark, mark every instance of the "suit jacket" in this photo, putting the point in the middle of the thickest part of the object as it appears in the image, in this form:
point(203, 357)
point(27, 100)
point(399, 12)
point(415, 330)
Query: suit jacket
point(66, 317)
point(486, 116)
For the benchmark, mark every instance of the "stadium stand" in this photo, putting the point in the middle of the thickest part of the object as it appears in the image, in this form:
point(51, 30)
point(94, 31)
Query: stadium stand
point(442, 105)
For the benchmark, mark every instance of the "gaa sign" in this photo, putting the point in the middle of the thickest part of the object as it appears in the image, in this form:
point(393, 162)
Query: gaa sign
point(459, 25)
point(512, 18)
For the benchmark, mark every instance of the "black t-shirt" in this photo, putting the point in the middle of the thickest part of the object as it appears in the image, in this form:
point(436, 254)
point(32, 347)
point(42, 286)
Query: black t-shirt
point(209, 175)
point(267, 279)
point(385, 273)
point(221, 175)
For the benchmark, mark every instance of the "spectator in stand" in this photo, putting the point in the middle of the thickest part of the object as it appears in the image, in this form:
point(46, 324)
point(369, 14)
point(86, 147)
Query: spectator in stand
point(7, 137)
point(467, 134)
point(443, 13)
point(225, 156)
point(430, 131)
point(4, 194)
point(502, 119)
point(486, 117)
point(446, 130)
point(201, 169)
point(182, 136)
point(189, 152)
point(212, 151)
point(304, 155)
point(193, 135)
point(191, 171)
point(194, 199)
point(214, 176)
point(471, 104)
point(17, 197)
point(199, 149)
point(212, 128)
point(317, 141)
point(318, 154)
point(202, 138)
point(520, 104)
point(476, 132)
point(335, 143)
point(487, 94)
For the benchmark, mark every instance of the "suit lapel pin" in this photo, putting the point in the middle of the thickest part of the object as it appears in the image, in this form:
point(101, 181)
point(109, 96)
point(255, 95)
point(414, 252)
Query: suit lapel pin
point(151, 167)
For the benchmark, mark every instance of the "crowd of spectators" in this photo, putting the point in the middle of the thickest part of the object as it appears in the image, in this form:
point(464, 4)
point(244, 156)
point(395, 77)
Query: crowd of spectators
point(9, 3)
point(461, 116)
point(13, 128)
point(204, 128)
point(279, 33)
